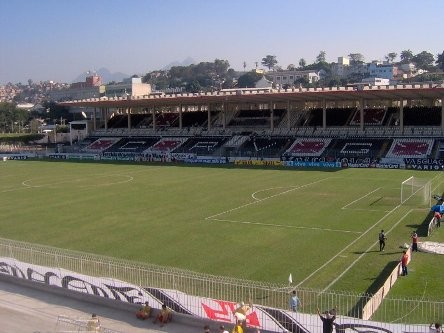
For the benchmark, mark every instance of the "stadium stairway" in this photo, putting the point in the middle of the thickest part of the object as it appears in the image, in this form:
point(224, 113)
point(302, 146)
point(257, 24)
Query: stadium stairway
point(34, 307)
point(25, 308)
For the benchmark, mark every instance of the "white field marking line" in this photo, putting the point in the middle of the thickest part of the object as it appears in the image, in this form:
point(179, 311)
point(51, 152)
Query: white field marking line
point(73, 181)
point(287, 226)
point(127, 180)
point(14, 189)
point(367, 210)
point(349, 245)
point(366, 195)
point(413, 308)
point(364, 253)
point(267, 189)
point(260, 200)
point(442, 181)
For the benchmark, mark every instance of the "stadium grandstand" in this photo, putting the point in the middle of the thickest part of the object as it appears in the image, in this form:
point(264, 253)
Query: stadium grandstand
point(395, 125)
point(387, 127)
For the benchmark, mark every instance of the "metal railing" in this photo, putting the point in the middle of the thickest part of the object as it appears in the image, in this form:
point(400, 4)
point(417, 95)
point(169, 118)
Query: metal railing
point(67, 324)
point(191, 285)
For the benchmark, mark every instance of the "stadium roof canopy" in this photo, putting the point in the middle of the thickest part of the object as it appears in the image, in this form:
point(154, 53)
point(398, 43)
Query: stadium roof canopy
point(331, 94)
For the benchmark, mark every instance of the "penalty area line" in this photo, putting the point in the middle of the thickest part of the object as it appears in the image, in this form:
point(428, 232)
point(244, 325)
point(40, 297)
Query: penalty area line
point(366, 195)
point(287, 226)
point(260, 200)
point(364, 253)
point(348, 246)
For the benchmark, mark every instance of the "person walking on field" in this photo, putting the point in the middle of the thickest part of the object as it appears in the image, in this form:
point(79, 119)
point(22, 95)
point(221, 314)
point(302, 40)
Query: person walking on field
point(404, 262)
point(414, 242)
point(382, 239)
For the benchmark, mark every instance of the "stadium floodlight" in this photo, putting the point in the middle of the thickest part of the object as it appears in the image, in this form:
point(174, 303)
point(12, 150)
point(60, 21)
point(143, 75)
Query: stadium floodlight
point(416, 191)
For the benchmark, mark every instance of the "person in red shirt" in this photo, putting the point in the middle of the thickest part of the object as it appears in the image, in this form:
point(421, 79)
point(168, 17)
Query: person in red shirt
point(415, 242)
point(404, 260)
point(438, 219)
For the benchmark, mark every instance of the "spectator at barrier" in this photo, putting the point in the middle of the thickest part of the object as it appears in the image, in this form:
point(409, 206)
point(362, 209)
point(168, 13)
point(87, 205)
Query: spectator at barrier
point(382, 237)
point(207, 329)
point(238, 327)
point(435, 328)
point(294, 301)
point(241, 313)
point(165, 315)
point(144, 312)
point(404, 261)
point(93, 324)
point(222, 329)
point(328, 318)
point(414, 242)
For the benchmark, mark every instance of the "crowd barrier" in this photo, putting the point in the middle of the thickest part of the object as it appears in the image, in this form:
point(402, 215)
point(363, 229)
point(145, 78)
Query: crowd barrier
point(204, 296)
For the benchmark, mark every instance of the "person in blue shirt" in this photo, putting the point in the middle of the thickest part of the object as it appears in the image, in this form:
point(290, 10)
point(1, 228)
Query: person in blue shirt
point(294, 301)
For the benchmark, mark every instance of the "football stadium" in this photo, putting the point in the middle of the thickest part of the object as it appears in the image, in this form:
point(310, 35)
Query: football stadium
point(206, 201)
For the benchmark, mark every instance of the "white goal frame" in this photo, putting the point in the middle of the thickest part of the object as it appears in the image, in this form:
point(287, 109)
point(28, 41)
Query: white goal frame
point(417, 187)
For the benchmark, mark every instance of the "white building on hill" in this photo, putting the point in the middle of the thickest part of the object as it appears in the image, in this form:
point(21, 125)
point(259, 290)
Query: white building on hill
point(289, 77)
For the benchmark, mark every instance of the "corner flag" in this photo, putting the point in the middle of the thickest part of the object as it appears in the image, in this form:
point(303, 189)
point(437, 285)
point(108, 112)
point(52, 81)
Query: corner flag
point(290, 279)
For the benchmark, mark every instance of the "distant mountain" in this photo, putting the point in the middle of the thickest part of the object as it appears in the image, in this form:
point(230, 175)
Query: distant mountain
point(105, 74)
point(188, 61)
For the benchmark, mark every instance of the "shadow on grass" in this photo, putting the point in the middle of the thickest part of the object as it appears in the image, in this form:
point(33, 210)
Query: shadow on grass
point(374, 287)
point(423, 228)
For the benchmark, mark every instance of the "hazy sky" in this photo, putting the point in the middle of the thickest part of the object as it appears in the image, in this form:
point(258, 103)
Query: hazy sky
point(60, 39)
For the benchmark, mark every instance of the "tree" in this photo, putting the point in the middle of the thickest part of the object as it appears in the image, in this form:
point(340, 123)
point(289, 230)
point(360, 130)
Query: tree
point(244, 65)
point(248, 80)
point(204, 76)
point(302, 63)
point(291, 67)
point(424, 60)
point(220, 66)
point(356, 58)
point(193, 86)
point(334, 81)
point(321, 57)
point(56, 112)
point(302, 82)
point(406, 56)
point(391, 56)
point(269, 61)
point(440, 61)
point(10, 115)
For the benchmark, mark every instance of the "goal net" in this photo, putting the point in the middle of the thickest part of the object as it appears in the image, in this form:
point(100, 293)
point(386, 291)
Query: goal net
point(416, 192)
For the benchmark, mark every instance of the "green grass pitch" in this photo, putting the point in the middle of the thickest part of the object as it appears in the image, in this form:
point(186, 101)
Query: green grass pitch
point(258, 224)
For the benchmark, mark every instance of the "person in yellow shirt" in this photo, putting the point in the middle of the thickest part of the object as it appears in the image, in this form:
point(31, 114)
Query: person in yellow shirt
point(165, 315)
point(241, 312)
point(144, 312)
point(238, 328)
point(93, 324)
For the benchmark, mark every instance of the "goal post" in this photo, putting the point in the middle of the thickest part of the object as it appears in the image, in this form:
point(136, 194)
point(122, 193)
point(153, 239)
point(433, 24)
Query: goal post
point(416, 191)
